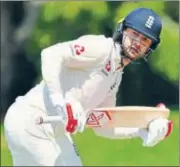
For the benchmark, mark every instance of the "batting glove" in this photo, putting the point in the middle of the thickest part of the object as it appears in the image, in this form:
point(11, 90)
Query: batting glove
point(74, 118)
point(158, 130)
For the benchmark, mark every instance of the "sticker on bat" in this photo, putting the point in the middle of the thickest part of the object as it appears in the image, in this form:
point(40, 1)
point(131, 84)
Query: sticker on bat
point(98, 118)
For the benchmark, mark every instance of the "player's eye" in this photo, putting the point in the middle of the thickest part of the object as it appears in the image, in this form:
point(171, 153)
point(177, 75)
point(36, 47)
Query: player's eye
point(135, 33)
point(146, 40)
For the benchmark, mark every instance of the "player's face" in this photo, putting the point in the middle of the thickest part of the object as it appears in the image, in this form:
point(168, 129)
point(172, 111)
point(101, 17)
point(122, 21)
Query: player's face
point(135, 45)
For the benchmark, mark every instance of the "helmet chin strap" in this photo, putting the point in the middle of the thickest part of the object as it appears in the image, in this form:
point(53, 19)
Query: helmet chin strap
point(123, 56)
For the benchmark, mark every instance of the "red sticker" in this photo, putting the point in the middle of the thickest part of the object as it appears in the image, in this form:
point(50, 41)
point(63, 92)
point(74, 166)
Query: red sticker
point(98, 118)
point(79, 49)
point(108, 66)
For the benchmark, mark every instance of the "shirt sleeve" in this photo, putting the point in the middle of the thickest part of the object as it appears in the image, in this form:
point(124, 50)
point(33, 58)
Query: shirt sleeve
point(110, 101)
point(117, 132)
point(88, 51)
point(80, 54)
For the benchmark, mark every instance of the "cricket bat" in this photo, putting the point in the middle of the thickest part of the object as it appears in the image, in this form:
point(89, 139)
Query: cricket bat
point(120, 116)
point(126, 116)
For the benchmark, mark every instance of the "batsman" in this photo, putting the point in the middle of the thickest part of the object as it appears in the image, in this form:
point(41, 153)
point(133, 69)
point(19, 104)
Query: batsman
point(77, 76)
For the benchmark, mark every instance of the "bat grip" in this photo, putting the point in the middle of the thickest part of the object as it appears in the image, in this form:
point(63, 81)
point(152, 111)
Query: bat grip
point(49, 119)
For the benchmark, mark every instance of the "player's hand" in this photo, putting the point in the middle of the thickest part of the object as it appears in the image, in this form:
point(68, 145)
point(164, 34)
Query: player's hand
point(157, 131)
point(74, 118)
point(77, 123)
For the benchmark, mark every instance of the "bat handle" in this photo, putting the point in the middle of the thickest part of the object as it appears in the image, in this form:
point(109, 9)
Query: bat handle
point(49, 119)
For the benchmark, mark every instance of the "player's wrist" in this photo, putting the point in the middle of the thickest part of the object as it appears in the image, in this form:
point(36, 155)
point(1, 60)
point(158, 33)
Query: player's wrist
point(57, 99)
point(59, 104)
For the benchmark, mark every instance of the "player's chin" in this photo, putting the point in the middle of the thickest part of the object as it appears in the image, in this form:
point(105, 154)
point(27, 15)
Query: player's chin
point(132, 56)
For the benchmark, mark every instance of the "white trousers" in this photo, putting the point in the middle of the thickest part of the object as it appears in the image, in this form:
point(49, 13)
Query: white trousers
point(37, 145)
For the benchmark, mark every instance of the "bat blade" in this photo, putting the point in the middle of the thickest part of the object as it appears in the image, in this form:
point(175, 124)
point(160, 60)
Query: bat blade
point(125, 116)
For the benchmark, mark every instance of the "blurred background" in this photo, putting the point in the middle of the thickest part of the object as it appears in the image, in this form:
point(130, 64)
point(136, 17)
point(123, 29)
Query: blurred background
point(29, 26)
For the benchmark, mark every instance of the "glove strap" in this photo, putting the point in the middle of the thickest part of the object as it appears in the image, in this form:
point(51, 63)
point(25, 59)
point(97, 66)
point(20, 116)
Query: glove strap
point(72, 122)
point(170, 127)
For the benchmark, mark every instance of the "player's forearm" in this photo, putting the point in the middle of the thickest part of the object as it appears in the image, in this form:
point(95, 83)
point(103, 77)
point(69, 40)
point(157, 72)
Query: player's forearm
point(117, 133)
point(51, 67)
point(124, 133)
point(53, 60)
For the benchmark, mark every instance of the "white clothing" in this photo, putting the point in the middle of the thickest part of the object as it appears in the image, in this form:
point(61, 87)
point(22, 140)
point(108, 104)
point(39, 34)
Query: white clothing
point(85, 69)
point(81, 76)
point(34, 145)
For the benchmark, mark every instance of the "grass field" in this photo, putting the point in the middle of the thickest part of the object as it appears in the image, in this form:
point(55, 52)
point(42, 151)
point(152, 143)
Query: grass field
point(100, 151)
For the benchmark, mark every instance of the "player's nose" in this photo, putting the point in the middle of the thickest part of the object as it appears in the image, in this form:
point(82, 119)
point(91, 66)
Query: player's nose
point(137, 45)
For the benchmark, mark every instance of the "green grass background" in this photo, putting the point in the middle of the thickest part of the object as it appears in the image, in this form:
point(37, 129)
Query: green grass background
point(96, 150)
